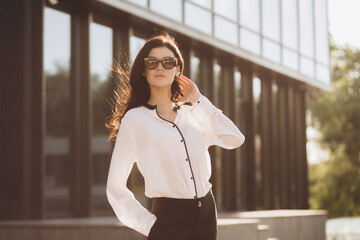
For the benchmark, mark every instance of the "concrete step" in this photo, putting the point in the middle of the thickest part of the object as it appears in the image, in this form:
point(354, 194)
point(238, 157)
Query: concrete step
point(108, 228)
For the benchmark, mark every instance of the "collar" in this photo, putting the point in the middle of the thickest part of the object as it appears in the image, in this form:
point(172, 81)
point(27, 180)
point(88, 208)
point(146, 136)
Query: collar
point(177, 107)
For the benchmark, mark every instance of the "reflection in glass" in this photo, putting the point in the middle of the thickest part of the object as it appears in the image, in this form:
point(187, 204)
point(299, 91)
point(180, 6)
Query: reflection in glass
point(136, 181)
point(306, 28)
point(323, 73)
point(225, 30)
point(307, 66)
point(142, 3)
point(227, 8)
point(195, 69)
point(271, 19)
point(101, 89)
point(136, 44)
point(250, 41)
point(257, 136)
point(321, 31)
point(289, 23)
point(58, 164)
point(271, 50)
point(217, 86)
point(250, 14)
point(204, 3)
point(290, 59)
point(171, 9)
point(198, 18)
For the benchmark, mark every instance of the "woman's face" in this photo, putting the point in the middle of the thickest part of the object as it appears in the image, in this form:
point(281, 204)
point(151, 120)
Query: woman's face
point(160, 76)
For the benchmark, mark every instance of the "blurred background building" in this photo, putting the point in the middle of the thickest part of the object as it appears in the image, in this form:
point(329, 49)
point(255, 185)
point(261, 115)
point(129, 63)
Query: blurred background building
point(254, 59)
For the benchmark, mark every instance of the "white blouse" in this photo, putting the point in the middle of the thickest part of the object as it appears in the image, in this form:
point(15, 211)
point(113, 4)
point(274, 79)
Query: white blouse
point(173, 157)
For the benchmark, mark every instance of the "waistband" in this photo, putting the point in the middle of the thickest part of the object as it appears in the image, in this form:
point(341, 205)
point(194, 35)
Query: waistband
point(164, 202)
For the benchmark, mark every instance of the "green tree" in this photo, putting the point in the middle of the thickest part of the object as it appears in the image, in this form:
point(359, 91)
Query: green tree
point(335, 184)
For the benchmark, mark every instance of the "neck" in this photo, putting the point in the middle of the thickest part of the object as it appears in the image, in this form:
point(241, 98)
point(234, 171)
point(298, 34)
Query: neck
point(161, 98)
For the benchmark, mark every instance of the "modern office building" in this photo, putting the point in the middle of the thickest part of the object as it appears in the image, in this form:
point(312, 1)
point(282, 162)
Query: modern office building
point(254, 59)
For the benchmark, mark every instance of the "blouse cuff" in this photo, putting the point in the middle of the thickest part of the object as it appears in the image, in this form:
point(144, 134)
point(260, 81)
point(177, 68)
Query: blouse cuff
point(150, 225)
point(204, 109)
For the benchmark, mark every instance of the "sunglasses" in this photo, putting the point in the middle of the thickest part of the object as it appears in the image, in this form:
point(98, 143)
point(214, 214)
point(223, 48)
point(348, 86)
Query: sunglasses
point(167, 62)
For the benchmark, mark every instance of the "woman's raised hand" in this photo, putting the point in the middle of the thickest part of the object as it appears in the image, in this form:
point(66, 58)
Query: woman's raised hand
point(189, 90)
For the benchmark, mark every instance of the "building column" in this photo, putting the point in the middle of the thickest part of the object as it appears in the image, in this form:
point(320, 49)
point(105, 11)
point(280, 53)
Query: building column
point(22, 111)
point(82, 112)
point(248, 164)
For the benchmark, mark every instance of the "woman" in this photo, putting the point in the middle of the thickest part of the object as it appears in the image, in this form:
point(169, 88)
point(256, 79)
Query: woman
point(163, 123)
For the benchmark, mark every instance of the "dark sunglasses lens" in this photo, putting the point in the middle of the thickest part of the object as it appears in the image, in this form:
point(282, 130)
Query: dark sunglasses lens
point(168, 63)
point(151, 63)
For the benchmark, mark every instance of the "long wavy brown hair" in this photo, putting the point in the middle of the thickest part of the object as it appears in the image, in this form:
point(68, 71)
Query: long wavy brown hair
point(132, 89)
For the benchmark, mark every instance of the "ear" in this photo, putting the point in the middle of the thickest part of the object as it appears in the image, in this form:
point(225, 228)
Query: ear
point(178, 71)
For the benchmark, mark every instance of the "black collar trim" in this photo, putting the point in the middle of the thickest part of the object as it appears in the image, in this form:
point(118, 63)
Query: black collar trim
point(177, 107)
point(151, 107)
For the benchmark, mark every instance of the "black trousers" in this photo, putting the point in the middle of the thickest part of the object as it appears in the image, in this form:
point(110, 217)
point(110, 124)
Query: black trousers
point(184, 219)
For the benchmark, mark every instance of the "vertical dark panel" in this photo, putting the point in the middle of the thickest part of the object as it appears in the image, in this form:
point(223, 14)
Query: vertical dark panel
point(228, 161)
point(81, 99)
point(283, 126)
point(304, 168)
point(301, 159)
point(248, 164)
point(266, 133)
point(21, 109)
point(291, 146)
point(275, 145)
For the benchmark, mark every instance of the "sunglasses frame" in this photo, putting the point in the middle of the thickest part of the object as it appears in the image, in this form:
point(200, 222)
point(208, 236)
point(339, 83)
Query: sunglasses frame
point(162, 62)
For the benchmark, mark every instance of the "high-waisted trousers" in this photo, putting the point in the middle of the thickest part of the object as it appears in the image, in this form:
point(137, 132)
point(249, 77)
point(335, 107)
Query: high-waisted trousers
point(184, 219)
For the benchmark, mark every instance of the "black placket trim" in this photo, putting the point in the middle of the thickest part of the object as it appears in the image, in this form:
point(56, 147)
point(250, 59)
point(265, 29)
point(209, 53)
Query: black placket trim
point(187, 154)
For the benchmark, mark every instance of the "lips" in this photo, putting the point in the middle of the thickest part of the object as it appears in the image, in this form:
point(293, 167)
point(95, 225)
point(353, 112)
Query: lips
point(159, 75)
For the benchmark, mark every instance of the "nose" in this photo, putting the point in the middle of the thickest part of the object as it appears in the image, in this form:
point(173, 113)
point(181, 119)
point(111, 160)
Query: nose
point(159, 66)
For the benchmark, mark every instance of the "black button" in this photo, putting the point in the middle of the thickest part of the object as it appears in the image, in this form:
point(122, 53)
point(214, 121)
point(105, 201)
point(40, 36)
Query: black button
point(187, 159)
point(192, 178)
point(173, 125)
point(182, 140)
point(194, 196)
point(198, 101)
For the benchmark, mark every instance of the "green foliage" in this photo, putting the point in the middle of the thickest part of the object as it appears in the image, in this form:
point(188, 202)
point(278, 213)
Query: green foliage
point(335, 185)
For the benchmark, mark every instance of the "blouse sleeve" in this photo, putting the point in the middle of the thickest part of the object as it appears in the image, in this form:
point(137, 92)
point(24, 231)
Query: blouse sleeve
point(128, 210)
point(219, 129)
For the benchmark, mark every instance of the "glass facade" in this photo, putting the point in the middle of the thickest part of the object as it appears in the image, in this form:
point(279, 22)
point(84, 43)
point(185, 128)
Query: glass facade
point(70, 162)
point(58, 165)
point(291, 33)
point(101, 53)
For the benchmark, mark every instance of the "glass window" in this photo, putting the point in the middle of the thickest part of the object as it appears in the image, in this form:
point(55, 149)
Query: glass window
point(171, 9)
point(271, 50)
point(204, 3)
point(136, 44)
point(290, 59)
point(306, 28)
point(250, 14)
point(289, 24)
point(198, 18)
point(136, 181)
point(271, 19)
point(218, 96)
point(101, 87)
point(226, 30)
point(307, 66)
point(250, 41)
point(58, 130)
point(321, 31)
point(237, 94)
point(323, 73)
point(142, 3)
point(195, 69)
point(257, 135)
point(226, 8)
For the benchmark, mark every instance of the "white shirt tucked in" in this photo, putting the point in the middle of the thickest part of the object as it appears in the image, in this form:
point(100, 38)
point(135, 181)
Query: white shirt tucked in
point(173, 157)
